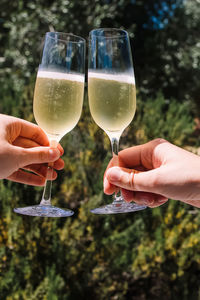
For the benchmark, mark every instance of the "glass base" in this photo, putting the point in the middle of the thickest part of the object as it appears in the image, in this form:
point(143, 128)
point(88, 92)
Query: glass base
point(44, 211)
point(118, 207)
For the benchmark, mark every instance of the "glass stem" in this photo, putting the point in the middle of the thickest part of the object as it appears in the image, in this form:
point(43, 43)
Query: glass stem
point(115, 149)
point(46, 197)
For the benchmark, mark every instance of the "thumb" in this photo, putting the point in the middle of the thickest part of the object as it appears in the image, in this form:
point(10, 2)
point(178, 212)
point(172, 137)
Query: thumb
point(27, 156)
point(131, 179)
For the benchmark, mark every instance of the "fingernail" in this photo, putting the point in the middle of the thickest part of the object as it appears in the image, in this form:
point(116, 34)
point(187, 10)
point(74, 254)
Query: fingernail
point(105, 183)
point(53, 153)
point(53, 144)
point(114, 174)
point(147, 202)
point(60, 148)
point(162, 201)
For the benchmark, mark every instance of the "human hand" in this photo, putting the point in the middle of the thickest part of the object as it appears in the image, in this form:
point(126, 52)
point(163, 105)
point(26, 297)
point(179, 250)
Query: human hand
point(25, 147)
point(167, 171)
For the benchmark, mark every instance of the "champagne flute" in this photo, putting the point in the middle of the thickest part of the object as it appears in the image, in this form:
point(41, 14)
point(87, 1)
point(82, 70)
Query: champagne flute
point(112, 95)
point(57, 105)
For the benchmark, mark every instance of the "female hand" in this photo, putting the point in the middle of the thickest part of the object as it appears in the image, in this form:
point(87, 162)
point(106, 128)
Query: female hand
point(167, 171)
point(24, 146)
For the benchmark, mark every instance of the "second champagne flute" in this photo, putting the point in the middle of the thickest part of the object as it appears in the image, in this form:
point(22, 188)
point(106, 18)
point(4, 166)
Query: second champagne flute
point(112, 95)
point(58, 99)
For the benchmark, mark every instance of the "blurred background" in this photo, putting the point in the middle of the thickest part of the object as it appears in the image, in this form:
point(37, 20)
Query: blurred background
point(152, 254)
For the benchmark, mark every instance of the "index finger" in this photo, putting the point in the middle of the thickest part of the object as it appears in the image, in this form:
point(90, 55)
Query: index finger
point(128, 158)
point(141, 156)
point(33, 132)
point(131, 157)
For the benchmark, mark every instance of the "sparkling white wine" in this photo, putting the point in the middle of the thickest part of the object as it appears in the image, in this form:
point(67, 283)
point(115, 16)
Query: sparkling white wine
point(112, 100)
point(58, 99)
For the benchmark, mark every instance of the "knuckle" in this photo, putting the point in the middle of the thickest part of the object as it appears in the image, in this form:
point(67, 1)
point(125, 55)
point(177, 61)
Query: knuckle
point(159, 141)
point(155, 182)
point(131, 180)
point(20, 158)
point(16, 176)
point(42, 156)
point(35, 136)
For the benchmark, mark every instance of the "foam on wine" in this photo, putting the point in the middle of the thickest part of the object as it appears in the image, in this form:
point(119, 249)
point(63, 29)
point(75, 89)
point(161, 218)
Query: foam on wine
point(59, 75)
point(126, 78)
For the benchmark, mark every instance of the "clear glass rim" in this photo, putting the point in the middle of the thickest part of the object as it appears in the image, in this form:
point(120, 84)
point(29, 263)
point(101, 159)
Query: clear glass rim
point(94, 32)
point(77, 39)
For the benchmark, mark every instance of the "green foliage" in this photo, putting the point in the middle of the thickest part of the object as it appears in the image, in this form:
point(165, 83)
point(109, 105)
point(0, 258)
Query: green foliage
point(146, 255)
point(166, 119)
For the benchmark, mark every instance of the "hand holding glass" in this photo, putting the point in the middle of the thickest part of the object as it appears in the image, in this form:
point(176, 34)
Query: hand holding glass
point(58, 99)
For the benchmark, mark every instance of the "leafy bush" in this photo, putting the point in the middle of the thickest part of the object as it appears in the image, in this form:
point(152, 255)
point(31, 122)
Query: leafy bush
point(163, 118)
point(151, 254)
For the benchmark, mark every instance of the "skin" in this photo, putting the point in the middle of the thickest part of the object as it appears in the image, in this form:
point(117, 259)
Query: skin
point(166, 171)
point(25, 147)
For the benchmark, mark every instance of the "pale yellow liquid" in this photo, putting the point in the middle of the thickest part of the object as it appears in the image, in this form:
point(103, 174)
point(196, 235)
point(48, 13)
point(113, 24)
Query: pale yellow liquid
point(112, 100)
point(58, 99)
